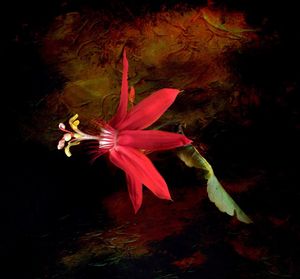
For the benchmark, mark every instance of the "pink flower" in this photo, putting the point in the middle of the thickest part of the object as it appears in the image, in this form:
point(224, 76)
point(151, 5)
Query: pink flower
point(124, 139)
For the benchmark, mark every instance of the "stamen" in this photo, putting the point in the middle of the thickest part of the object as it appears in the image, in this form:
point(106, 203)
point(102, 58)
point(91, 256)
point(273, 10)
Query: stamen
point(106, 140)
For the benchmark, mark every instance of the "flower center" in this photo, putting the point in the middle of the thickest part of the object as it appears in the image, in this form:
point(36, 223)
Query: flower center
point(108, 138)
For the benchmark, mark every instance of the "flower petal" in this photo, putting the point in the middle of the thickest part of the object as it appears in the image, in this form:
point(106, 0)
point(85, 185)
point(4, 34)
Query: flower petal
point(148, 110)
point(122, 108)
point(139, 167)
point(135, 190)
point(151, 139)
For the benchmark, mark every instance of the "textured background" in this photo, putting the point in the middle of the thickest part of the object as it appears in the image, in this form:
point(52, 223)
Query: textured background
point(237, 62)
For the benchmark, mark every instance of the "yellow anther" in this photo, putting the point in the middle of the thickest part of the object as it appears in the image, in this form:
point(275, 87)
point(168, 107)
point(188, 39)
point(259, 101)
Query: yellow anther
point(67, 151)
point(73, 118)
point(67, 148)
point(73, 122)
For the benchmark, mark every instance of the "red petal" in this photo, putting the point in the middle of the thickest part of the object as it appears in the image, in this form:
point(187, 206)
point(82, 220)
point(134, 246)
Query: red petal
point(135, 190)
point(151, 140)
point(139, 167)
point(149, 110)
point(122, 108)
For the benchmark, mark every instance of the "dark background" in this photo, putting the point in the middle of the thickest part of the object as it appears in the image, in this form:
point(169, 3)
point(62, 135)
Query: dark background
point(35, 193)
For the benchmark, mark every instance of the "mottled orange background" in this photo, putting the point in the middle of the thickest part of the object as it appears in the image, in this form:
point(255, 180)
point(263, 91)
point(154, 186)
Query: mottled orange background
point(191, 49)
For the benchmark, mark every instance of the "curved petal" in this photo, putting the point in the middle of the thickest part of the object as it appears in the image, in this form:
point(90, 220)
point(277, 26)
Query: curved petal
point(148, 110)
point(151, 139)
point(122, 108)
point(139, 167)
point(135, 190)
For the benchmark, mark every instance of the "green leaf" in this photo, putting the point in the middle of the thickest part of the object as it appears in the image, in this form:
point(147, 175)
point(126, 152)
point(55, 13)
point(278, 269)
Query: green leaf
point(216, 193)
point(223, 201)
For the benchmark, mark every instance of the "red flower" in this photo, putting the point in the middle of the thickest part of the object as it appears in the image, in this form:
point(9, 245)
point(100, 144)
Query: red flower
point(123, 138)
